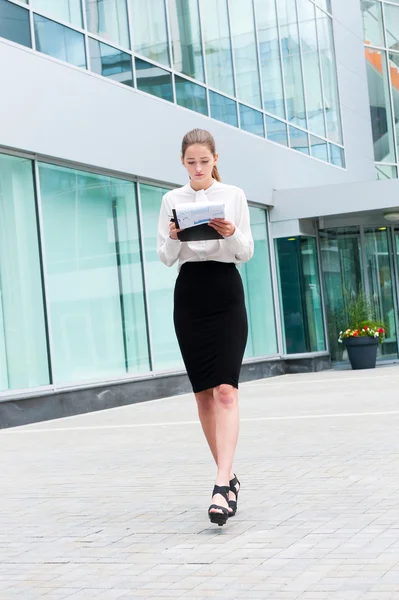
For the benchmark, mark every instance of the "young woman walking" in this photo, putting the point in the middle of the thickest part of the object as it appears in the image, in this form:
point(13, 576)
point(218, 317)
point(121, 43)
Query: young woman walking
point(209, 310)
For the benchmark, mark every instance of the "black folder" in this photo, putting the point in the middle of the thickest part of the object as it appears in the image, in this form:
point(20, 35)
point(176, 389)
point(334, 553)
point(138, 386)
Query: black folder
point(197, 233)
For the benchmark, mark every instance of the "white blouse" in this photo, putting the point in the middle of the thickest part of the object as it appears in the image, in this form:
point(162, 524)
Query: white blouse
point(236, 248)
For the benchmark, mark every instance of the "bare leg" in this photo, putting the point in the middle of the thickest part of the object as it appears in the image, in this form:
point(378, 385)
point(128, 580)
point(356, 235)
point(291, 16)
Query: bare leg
point(227, 427)
point(207, 416)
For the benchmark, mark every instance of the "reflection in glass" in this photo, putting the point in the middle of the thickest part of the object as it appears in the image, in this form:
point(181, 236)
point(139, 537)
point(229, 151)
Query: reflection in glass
point(23, 343)
point(150, 34)
point(186, 38)
point(324, 4)
point(256, 277)
point(276, 131)
point(386, 172)
point(251, 120)
point(378, 256)
point(311, 67)
point(299, 140)
point(392, 26)
point(330, 79)
point(245, 51)
point(59, 41)
point(110, 62)
point(160, 282)
point(270, 58)
point(393, 64)
point(337, 156)
point(14, 23)
point(108, 19)
point(219, 65)
point(94, 275)
point(191, 95)
point(223, 109)
point(342, 275)
point(372, 22)
point(300, 295)
point(63, 10)
point(153, 80)
point(292, 62)
point(380, 105)
point(318, 148)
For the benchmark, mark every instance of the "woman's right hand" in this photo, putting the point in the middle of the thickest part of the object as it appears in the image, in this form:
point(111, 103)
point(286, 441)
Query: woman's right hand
point(173, 231)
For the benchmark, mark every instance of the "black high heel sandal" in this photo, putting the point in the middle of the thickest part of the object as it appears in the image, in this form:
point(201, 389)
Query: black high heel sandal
point(219, 517)
point(232, 488)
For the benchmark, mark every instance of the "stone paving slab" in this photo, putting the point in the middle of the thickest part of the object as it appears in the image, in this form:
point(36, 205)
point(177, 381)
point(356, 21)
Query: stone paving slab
point(113, 504)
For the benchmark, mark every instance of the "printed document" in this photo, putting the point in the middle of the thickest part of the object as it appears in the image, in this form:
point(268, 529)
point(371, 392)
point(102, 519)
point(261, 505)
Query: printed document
point(192, 214)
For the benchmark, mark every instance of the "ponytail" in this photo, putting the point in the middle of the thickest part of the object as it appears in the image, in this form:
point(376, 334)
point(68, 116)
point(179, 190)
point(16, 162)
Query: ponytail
point(215, 173)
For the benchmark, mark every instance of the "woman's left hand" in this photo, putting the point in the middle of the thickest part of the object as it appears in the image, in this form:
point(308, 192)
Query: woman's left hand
point(225, 228)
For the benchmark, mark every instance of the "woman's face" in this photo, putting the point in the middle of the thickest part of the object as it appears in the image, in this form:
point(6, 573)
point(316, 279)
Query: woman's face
point(199, 162)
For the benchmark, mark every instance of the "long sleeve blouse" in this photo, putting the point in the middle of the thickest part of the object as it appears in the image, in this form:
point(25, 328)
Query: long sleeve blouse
point(237, 248)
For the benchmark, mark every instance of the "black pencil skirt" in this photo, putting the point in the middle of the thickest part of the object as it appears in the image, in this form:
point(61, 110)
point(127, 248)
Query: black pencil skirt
point(210, 322)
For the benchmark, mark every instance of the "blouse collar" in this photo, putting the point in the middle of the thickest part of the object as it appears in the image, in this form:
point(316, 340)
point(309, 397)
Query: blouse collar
point(215, 185)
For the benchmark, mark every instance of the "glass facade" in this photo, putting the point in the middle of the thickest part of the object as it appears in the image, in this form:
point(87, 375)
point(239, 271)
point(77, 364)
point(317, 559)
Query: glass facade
point(361, 258)
point(264, 65)
point(381, 34)
point(300, 295)
point(84, 297)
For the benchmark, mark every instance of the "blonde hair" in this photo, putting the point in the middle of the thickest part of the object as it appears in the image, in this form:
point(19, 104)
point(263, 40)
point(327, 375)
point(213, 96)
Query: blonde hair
point(205, 138)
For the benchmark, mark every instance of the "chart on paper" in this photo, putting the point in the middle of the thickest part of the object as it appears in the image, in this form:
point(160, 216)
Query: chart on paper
point(197, 213)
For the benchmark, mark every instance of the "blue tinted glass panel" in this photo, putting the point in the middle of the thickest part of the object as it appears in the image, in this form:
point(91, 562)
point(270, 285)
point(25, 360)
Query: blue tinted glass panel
point(150, 35)
point(23, 343)
point(245, 51)
point(186, 38)
point(62, 10)
point(299, 140)
point(223, 109)
point(292, 62)
point(153, 80)
point(270, 58)
point(218, 57)
point(251, 120)
point(14, 23)
point(94, 275)
point(318, 148)
point(191, 95)
point(108, 19)
point(59, 41)
point(386, 172)
point(110, 62)
point(276, 131)
point(337, 156)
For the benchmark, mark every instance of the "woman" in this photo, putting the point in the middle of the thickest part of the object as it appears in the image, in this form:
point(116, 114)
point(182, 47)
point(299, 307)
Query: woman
point(209, 310)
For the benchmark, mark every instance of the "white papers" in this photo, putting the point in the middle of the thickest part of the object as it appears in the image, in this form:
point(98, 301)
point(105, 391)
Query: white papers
point(196, 213)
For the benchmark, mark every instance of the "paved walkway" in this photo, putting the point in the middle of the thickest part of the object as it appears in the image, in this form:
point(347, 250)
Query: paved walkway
point(113, 504)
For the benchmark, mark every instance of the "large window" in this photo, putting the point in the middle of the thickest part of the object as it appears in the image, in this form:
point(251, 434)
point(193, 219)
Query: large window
point(94, 275)
point(108, 19)
point(186, 38)
point(23, 344)
point(14, 23)
point(218, 54)
point(243, 62)
point(149, 30)
point(300, 295)
point(381, 35)
point(160, 283)
point(256, 276)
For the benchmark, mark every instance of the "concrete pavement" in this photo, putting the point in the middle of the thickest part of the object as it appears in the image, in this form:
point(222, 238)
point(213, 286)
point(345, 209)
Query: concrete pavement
point(112, 505)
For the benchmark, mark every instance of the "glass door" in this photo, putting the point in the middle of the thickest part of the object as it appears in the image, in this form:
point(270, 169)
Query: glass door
point(380, 269)
point(342, 274)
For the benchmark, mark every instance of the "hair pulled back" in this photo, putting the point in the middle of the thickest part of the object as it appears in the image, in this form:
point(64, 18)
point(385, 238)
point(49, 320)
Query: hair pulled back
point(204, 138)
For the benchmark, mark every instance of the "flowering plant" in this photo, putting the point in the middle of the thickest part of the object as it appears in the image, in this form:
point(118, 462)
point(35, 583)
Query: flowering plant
point(373, 331)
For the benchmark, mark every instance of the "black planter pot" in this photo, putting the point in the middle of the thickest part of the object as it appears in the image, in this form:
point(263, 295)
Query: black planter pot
point(362, 351)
